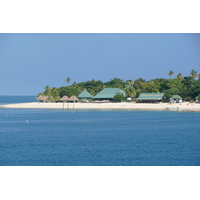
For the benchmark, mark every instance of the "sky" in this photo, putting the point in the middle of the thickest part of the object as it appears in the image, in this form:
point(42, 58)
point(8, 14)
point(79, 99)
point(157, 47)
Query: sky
point(31, 61)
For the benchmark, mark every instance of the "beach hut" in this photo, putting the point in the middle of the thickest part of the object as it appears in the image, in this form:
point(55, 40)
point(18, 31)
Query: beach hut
point(73, 99)
point(176, 99)
point(197, 99)
point(42, 98)
point(64, 98)
point(107, 94)
point(150, 97)
point(85, 95)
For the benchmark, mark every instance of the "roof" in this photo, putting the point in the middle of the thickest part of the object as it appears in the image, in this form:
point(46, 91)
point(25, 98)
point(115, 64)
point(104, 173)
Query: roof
point(73, 98)
point(108, 93)
point(85, 94)
point(176, 97)
point(42, 98)
point(64, 98)
point(150, 96)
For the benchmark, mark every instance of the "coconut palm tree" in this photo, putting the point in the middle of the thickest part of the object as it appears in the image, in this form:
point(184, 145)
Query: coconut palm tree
point(130, 82)
point(47, 89)
point(139, 83)
point(179, 76)
point(194, 74)
point(171, 73)
point(130, 92)
point(68, 80)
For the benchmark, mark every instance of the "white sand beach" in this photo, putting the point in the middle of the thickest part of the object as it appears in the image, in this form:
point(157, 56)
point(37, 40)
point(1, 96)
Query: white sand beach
point(112, 106)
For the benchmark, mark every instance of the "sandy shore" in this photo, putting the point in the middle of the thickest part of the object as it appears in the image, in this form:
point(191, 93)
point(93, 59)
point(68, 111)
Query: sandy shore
point(112, 106)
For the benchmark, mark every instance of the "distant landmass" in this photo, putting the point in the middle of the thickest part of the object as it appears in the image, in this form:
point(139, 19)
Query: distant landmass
point(187, 87)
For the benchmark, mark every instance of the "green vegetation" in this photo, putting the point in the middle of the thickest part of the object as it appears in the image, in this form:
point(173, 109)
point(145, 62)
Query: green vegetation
point(171, 73)
point(119, 97)
point(194, 74)
point(179, 76)
point(68, 80)
point(187, 87)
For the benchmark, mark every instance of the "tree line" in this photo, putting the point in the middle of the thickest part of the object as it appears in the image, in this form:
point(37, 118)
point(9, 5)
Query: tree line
point(187, 87)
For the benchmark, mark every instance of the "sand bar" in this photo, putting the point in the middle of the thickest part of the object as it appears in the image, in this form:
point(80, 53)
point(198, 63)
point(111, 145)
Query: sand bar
point(112, 106)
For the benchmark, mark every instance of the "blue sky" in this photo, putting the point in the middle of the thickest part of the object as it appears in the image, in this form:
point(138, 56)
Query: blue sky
point(29, 62)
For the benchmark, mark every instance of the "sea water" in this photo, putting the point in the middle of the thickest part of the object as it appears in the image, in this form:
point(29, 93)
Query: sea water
point(10, 99)
point(53, 137)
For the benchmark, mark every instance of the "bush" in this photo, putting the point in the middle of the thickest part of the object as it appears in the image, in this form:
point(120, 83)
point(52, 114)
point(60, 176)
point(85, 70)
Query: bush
point(119, 97)
point(188, 99)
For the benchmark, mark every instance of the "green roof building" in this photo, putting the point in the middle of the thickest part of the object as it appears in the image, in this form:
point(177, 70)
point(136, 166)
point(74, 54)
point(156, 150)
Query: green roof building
point(108, 93)
point(176, 97)
point(150, 97)
point(85, 94)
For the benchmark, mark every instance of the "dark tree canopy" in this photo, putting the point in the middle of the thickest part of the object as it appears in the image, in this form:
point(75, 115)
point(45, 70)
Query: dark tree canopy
point(187, 87)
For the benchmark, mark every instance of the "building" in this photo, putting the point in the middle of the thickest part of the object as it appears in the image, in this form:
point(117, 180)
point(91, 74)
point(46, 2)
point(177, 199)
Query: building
point(42, 98)
point(85, 95)
point(176, 99)
point(73, 99)
point(107, 94)
point(197, 99)
point(150, 97)
point(64, 98)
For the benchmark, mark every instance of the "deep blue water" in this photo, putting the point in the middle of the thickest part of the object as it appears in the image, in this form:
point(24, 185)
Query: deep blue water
point(16, 99)
point(51, 137)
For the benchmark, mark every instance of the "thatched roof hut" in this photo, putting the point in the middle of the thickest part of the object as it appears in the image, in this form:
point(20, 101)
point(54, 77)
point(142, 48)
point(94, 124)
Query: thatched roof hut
point(73, 98)
point(42, 98)
point(64, 98)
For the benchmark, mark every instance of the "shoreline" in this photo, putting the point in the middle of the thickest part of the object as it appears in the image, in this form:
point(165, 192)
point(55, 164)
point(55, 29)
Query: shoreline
point(110, 106)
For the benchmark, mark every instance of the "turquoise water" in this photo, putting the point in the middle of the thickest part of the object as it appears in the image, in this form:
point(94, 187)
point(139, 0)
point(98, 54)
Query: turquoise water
point(51, 137)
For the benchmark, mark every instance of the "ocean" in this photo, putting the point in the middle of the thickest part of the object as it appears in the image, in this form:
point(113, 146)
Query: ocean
point(9, 99)
point(53, 137)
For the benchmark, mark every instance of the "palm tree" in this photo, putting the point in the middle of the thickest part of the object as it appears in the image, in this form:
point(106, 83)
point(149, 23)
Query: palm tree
point(130, 92)
point(47, 89)
point(99, 88)
point(139, 82)
point(179, 76)
point(171, 73)
point(199, 77)
point(68, 80)
point(130, 82)
point(194, 74)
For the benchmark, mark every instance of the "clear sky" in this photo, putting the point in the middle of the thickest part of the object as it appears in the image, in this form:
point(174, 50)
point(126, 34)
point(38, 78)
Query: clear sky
point(29, 62)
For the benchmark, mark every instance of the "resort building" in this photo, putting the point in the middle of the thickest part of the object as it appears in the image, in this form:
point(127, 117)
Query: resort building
point(85, 95)
point(64, 98)
point(150, 97)
point(197, 99)
point(73, 99)
point(107, 94)
point(175, 99)
point(42, 98)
